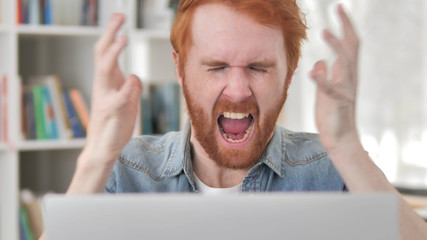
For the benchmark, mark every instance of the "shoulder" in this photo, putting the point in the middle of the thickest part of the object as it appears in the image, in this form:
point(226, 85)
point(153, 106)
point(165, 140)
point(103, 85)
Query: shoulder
point(305, 162)
point(157, 156)
point(302, 147)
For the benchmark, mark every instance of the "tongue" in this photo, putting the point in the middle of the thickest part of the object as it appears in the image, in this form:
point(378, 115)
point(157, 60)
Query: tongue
point(235, 128)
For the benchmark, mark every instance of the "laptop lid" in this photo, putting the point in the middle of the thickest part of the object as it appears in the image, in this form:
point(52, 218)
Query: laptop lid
point(243, 216)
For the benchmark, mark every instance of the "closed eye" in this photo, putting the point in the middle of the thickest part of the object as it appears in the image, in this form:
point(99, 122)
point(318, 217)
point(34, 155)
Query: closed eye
point(217, 69)
point(258, 69)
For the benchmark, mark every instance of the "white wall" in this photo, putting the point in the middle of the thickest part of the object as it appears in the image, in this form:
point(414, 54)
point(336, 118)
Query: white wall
point(392, 102)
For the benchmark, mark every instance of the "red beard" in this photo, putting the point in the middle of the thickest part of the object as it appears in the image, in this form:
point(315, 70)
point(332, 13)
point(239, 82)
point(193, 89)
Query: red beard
point(205, 130)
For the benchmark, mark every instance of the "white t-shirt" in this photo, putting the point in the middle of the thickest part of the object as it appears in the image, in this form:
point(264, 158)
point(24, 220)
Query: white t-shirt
point(206, 190)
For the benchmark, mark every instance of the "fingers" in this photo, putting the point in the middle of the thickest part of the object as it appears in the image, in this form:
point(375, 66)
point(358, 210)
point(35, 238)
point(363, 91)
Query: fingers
point(110, 56)
point(333, 42)
point(319, 71)
point(349, 44)
point(319, 76)
point(108, 75)
point(116, 21)
point(348, 28)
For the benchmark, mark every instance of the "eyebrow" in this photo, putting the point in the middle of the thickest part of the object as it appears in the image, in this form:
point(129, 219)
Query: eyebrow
point(213, 63)
point(261, 63)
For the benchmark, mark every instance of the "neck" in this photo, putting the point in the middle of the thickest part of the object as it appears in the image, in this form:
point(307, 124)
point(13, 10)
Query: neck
point(210, 173)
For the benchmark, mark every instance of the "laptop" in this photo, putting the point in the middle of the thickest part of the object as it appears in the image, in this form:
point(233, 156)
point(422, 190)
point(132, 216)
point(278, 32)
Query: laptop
point(241, 216)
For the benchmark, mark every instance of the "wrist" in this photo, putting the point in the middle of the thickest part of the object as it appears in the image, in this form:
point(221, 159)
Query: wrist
point(91, 174)
point(349, 140)
point(348, 147)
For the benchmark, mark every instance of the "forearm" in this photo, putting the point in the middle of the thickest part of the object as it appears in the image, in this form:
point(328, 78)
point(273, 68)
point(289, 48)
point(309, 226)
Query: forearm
point(358, 171)
point(91, 174)
point(360, 174)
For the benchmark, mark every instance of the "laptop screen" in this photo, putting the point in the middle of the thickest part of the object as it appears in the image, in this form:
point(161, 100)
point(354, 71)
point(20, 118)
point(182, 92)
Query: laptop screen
point(243, 216)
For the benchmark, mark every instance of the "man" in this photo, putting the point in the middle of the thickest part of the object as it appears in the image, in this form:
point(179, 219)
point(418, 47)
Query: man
point(235, 61)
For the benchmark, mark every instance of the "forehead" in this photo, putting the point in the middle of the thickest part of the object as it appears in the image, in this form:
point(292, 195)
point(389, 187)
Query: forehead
point(222, 32)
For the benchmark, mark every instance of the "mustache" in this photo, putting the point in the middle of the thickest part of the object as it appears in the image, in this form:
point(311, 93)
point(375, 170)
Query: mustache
point(247, 106)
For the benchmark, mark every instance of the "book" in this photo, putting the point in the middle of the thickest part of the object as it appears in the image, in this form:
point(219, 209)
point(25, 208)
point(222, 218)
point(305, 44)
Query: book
point(54, 85)
point(80, 107)
point(89, 13)
point(93, 12)
point(32, 206)
point(38, 112)
point(25, 11)
point(22, 233)
point(48, 19)
point(139, 13)
point(72, 117)
point(19, 9)
point(84, 16)
point(49, 112)
point(165, 107)
point(26, 225)
point(34, 12)
point(147, 124)
point(29, 120)
point(54, 112)
point(49, 116)
point(41, 11)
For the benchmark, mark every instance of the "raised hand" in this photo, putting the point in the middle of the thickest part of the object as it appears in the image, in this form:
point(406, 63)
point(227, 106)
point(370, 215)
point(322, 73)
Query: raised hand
point(114, 99)
point(113, 113)
point(337, 90)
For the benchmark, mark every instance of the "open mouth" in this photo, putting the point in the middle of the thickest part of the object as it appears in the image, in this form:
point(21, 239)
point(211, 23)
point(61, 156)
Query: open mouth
point(235, 127)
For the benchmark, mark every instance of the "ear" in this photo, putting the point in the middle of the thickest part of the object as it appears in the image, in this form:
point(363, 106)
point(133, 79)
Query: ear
point(175, 56)
point(290, 74)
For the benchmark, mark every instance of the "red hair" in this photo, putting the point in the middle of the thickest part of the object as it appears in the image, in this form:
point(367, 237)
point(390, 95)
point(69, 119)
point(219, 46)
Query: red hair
point(284, 14)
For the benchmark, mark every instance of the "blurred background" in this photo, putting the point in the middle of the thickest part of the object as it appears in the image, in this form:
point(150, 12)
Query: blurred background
point(392, 95)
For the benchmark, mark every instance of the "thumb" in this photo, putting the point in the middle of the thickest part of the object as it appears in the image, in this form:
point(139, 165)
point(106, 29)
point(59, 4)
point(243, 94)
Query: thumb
point(131, 88)
point(319, 72)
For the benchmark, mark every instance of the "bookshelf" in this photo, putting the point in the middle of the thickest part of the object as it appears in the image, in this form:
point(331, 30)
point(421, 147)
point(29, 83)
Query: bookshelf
point(56, 30)
point(144, 34)
point(66, 51)
point(35, 145)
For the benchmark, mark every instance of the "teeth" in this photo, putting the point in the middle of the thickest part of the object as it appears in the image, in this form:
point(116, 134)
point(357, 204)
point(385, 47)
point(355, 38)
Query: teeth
point(244, 137)
point(233, 115)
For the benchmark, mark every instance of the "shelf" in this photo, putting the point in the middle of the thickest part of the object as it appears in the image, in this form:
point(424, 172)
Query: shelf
point(82, 31)
point(55, 30)
point(151, 34)
point(35, 145)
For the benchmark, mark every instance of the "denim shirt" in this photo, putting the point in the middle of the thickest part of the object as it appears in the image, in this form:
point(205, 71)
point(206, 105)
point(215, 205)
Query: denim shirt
point(292, 161)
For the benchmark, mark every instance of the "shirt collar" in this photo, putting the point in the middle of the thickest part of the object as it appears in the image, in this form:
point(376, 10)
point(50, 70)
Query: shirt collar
point(274, 153)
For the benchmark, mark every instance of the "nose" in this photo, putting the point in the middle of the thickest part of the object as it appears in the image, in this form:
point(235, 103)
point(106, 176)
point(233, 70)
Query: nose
point(238, 88)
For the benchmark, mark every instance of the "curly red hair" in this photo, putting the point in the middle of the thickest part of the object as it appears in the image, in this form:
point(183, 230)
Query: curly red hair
point(284, 14)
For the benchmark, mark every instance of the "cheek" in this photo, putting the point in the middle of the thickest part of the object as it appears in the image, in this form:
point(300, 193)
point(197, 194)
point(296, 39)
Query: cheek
point(269, 95)
point(204, 92)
